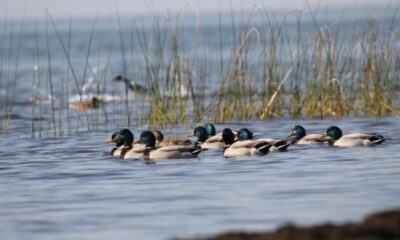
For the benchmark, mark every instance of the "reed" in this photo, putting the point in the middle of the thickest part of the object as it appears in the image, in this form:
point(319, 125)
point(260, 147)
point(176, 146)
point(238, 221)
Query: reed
point(165, 74)
point(125, 73)
point(8, 106)
point(50, 78)
point(67, 79)
point(71, 66)
point(3, 103)
point(253, 65)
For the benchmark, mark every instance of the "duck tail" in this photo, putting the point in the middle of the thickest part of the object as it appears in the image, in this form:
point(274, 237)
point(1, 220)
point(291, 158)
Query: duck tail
point(281, 145)
point(377, 139)
point(263, 147)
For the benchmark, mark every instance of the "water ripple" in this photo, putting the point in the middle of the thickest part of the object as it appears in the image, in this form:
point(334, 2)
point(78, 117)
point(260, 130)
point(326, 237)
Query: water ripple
point(71, 187)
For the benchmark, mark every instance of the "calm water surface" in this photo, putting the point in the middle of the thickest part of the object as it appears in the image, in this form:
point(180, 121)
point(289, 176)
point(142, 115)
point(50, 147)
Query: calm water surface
point(71, 188)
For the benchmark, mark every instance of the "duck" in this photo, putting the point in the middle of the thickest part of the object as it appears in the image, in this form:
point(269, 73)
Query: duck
point(92, 103)
point(153, 152)
point(206, 142)
point(352, 139)
point(210, 128)
point(277, 145)
point(212, 133)
point(134, 87)
point(171, 140)
point(298, 136)
point(125, 148)
point(115, 151)
point(242, 147)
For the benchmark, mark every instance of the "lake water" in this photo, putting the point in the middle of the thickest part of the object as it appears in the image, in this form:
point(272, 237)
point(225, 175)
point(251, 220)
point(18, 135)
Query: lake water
point(70, 187)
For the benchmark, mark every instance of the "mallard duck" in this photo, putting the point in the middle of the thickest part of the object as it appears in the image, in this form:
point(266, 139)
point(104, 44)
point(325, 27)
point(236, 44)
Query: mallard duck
point(167, 152)
point(212, 133)
point(214, 140)
point(242, 147)
point(353, 139)
point(205, 142)
point(93, 103)
point(124, 146)
point(123, 142)
point(115, 151)
point(299, 136)
point(210, 128)
point(171, 140)
point(277, 145)
point(134, 87)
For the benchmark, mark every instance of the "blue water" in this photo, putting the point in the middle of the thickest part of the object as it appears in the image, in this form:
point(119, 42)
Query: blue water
point(71, 188)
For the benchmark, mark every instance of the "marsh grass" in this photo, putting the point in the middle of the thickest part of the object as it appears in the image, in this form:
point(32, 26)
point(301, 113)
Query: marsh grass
point(12, 77)
point(266, 66)
point(2, 84)
point(71, 68)
point(165, 63)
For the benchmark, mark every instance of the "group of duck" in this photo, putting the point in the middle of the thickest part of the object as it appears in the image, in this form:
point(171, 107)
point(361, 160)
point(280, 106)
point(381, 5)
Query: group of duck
point(153, 146)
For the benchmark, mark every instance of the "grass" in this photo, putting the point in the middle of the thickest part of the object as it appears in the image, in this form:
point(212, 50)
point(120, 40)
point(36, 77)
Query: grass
point(258, 65)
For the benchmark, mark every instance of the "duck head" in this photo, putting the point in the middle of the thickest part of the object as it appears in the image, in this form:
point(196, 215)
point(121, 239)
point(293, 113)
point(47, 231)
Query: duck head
point(159, 136)
point(210, 129)
point(334, 132)
point(245, 134)
point(228, 136)
point(123, 137)
point(201, 134)
point(114, 138)
point(297, 132)
point(148, 138)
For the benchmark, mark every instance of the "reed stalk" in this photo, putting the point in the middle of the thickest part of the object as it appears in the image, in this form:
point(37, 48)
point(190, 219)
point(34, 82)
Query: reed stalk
point(4, 34)
point(8, 103)
point(71, 67)
point(50, 77)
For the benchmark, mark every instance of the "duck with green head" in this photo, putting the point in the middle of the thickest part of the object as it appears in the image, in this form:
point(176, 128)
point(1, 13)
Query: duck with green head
point(125, 148)
point(242, 147)
point(298, 136)
point(277, 145)
point(115, 151)
point(353, 139)
point(210, 128)
point(206, 142)
point(152, 152)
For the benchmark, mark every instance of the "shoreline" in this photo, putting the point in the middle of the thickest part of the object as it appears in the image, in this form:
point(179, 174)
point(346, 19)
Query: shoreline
point(378, 225)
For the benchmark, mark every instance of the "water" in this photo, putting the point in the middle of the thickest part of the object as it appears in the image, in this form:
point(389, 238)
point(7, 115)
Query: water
point(24, 54)
point(71, 188)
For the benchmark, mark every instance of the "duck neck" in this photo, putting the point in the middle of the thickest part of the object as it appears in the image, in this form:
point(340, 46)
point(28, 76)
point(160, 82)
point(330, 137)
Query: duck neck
point(125, 150)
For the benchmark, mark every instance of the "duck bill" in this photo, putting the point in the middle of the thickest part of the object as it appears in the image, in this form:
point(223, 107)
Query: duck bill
point(111, 140)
